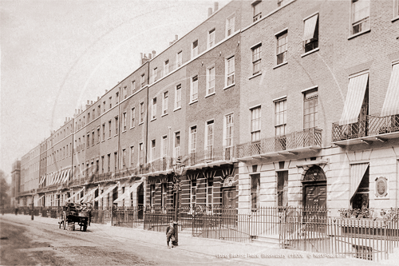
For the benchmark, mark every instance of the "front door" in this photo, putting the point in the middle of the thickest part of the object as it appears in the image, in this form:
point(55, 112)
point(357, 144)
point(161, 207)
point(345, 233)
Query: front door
point(315, 212)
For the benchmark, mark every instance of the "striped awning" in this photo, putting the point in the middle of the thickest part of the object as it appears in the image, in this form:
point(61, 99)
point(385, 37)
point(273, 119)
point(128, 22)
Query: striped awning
point(310, 27)
point(354, 99)
point(357, 173)
point(87, 197)
point(74, 195)
point(391, 103)
point(124, 195)
point(106, 192)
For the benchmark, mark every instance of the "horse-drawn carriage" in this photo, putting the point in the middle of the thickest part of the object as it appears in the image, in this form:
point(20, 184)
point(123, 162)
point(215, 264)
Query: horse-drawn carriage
point(75, 213)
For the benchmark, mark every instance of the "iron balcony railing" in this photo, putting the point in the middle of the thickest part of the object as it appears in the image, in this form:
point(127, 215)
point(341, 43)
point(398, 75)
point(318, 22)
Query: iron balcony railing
point(300, 139)
point(370, 126)
point(211, 155)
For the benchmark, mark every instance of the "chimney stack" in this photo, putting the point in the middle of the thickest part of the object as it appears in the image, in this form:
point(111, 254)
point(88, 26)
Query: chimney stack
point(215, 7)
point(209, 11)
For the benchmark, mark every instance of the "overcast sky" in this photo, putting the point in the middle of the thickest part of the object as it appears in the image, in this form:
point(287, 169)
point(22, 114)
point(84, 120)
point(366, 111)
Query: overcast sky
point(57, 54)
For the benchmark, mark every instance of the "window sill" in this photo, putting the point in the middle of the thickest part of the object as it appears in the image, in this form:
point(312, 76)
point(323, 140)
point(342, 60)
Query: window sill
point(165, 114)
point(176, 109)
point(256, 75)
point(152, 119)
point(141, 123)
point(124, 131)
point(132, 127)
point(358, 34)
point(208, 95)
point(395, 19)
point(310, 52)
point(193, 102)
point(282, 64)
point(227, 87)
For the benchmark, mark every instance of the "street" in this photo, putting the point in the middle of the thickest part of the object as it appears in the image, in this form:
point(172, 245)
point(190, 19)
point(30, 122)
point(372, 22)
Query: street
point(40, 242)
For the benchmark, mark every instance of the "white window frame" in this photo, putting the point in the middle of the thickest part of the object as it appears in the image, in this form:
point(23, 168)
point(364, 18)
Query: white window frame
point(132, 117)
point(165, 99)
point(194, 49)
point(209, 139)
point(279, 52)
point(141, 153)
point(256, 6)
point(142, 113)
point(193, 139)
point(164, 146)
point(154, 108)
point(142, 80)
point(256, 58)
point(280, 120)
point(230, 73)
point(211, 38)
point(210, 80)
point(363, 22)
point(133, 86)
point(124, 121)
point(193, 198)
point(256, 125)
point(131, 155)
point(396, 9)
point(230, 26)
point(179, 59)
point(194, 89)
point(178, 96)
point(123, 158)
point(153, 147)
point(125, 92)
point(166, 67)
point(176, 149)
point(226, 127)
point(154, 74)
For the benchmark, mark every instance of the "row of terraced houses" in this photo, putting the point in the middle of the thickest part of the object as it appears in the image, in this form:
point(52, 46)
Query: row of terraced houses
point(265, 103)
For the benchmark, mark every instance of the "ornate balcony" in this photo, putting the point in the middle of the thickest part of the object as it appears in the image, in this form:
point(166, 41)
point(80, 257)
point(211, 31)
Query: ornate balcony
point(289, 144)
point(372, 128)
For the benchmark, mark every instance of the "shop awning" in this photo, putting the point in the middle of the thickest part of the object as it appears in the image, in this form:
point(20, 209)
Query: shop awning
point(124, 195)
point(310, 27)
point(74, 195)
point(106, 192)
point(88, 196)
point(39, 199)
point(391, 103)
point(354, 99)
point(357, 173)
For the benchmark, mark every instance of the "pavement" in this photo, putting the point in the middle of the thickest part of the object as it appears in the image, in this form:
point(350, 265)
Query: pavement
point(220, 250)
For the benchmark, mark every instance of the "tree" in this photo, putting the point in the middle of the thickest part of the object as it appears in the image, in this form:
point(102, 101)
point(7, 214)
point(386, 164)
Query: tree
point(4, 188)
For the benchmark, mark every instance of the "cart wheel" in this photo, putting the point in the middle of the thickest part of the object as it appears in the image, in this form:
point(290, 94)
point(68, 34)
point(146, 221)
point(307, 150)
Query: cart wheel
point(84, 228)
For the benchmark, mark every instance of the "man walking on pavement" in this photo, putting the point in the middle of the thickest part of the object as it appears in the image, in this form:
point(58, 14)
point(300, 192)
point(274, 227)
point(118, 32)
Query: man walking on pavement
point(170, 234)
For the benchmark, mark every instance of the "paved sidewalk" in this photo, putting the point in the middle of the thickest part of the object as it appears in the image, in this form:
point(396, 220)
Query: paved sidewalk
point(218, 249)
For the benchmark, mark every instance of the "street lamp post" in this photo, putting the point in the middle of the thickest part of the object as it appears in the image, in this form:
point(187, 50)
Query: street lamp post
point(178, 169)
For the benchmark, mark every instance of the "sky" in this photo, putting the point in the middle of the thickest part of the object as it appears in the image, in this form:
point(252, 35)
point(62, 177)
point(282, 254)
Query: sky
point(57, 54)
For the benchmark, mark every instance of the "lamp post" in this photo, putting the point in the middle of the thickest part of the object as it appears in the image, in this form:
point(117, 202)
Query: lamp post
point(178, 169)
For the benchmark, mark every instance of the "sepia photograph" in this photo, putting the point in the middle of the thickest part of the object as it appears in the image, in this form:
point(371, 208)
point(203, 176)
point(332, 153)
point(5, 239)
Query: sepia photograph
point(196, 132)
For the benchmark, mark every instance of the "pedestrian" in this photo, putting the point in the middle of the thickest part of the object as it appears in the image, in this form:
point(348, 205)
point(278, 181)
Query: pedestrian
point(170, 234)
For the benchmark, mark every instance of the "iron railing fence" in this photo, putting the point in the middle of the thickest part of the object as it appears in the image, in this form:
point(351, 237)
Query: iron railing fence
point(358, 238)
point(311, 137)
point(370, 126)
point(130, 217)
